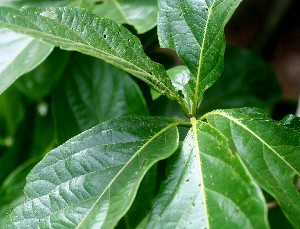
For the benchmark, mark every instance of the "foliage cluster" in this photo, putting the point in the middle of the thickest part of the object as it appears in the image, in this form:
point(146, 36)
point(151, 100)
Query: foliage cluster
point(96, 148)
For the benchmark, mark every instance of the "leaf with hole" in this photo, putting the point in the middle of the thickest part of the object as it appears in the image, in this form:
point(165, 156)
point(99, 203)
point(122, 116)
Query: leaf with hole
point(80, 30)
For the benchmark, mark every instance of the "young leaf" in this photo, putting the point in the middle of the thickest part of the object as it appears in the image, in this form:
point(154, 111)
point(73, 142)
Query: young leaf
point(80, 30)
point(194, 29)
point(92, 92)
point(270, 151)
point(91, 180)
point(180, 77)
point(19, 55)
point(291, 121)
point(207, 186)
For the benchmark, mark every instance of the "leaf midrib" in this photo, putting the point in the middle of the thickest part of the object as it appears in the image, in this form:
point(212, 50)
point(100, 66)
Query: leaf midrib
point(109, 185)
point(195, 103)
point(125, 165)
point(88, 47)
point(255, 135)
point(173, 194)
point(118, 6)
point(195, 137)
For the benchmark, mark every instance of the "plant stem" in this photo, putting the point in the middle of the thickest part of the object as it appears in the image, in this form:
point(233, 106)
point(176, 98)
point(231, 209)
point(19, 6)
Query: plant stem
point(186, 124)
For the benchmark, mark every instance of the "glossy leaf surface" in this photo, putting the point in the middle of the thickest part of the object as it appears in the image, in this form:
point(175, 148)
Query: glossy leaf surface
point(291, 121)
point(92, 92)
point(91, 180)
point(39, 82)
point(141, 206)
point(19, 54)
point(141, 14)
point(270, 150)
point(195, 195)
point(41, 3)
point(80, 30)
point(194, 29)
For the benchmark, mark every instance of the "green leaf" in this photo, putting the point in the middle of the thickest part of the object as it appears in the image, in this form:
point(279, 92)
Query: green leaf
point(41, 3)
point(12, 112)
point(195, 30)
point(207, 186)
point(91, 180)
point(39, 82)
point(291, 121)
point(270, 151)
point(142, 203)
point(11, 190)
point(43, 136)
point(80, 30)
point(247, 80)
point(92, 92)
point(141, 14)
point(16, 152)
point(19, 55)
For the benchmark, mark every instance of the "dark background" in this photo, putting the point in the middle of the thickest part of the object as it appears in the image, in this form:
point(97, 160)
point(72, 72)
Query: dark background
point(272, 29)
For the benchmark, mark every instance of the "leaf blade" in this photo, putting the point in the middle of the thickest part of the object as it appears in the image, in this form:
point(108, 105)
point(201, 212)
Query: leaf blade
point(195, 192)
point(142, 14)
point(92, 92)
point(59, 193)
point(200, 25)
point(269, 150)
point(22, 51)
point(80, 30)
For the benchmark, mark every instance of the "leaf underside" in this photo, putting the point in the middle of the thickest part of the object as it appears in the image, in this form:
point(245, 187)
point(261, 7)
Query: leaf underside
point(19, 55)
point(91, 180)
